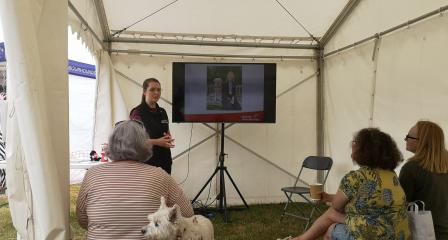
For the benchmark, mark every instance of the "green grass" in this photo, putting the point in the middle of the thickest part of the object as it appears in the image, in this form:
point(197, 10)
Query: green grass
point(76, 231)
point(7, 230)
point(257, 222)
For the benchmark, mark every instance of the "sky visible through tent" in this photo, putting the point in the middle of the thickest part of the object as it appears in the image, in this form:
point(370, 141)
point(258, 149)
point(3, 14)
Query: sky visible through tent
point(77, 50)
point(81, 100)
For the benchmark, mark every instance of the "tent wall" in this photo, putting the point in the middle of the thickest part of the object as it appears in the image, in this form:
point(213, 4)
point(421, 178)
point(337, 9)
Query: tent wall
point(403, 82)
point(373, 16)
point(37, 148)
point(109, 105)
point(262, 157)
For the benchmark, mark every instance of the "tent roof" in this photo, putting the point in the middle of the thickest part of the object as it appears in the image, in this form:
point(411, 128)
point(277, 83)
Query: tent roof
point(251, 28)
point(248, 17)
point(232, 23)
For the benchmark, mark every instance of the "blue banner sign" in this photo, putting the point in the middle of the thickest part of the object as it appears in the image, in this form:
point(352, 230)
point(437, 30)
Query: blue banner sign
point(81, 69)
point(2, 52)
point(74, 67)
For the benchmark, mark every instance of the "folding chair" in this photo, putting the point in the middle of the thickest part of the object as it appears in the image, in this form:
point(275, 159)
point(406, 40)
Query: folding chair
point(313, 163)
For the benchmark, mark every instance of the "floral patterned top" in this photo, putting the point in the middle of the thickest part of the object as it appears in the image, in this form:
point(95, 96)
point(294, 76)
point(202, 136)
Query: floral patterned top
point(377, 205)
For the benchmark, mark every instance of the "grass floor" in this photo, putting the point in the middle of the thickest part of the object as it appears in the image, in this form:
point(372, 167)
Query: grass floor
point(257, 222)
point(7, 230)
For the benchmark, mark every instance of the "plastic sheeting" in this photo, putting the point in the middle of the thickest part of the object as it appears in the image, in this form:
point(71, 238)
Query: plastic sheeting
point(37, 149)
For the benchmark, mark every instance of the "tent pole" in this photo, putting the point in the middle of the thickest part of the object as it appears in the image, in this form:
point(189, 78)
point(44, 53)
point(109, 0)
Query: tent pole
point(101, 13)
point(213, 43)
point(129, 51)
point(320, 109)
point(348, 9)
point(390, 30)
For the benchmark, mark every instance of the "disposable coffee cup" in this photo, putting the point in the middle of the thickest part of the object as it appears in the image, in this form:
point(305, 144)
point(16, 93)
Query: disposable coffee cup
point(316, 190)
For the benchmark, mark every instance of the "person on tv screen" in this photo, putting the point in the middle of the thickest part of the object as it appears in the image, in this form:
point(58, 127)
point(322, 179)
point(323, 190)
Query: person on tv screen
point(156, 124)
point(229, 98)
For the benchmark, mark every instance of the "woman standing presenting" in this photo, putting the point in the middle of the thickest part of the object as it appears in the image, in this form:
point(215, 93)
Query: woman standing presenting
point(156, 124)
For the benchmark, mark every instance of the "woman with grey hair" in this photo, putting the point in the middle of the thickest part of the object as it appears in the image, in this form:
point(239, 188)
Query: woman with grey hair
point(116, 197)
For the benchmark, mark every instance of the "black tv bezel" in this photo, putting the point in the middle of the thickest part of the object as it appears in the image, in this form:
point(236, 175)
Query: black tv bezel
point(270, 101)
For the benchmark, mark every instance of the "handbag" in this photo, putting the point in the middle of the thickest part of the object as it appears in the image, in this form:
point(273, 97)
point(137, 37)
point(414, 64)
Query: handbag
point(420, 221)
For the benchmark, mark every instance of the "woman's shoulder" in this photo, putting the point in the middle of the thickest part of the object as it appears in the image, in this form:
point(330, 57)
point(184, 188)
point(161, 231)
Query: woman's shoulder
point(354, 175)
point(153, 171)
point(130, 169)
point(136, 113)
point(97, 168)
point(121, 165)
point(368, 173)
point(137, 109)
point(361, 171)
point(411, 165)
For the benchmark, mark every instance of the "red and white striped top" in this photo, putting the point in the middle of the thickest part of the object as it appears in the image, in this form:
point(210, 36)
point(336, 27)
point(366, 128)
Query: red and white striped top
point(115, 199)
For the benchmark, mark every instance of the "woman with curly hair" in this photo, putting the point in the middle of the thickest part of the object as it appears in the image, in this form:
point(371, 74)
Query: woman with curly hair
point(425, 175)
point(370, 203)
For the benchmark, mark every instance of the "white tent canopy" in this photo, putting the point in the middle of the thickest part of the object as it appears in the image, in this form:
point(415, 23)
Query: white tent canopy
point(341, 66)
point(37, 127)
point(145, 38)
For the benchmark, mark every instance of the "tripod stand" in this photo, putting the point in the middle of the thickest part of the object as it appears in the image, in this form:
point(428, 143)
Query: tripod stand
point(222, 205)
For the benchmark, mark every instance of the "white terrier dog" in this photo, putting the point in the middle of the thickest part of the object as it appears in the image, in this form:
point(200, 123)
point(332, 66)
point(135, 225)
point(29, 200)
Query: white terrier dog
point(197, 227)
point(168, 224)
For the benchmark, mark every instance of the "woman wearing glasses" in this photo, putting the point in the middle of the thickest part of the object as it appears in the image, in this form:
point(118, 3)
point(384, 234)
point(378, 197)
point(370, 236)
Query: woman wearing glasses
point(425, 175)
point(116, 197)
point(156, 124)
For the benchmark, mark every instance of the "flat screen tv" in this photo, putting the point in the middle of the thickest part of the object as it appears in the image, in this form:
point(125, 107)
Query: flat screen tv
point(224, 92)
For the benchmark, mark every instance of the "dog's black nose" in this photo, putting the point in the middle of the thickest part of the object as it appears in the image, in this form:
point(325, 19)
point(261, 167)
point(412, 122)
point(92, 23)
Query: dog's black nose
point(143, 231)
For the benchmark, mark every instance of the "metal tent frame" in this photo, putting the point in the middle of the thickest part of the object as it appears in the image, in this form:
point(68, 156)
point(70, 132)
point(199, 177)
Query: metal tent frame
point(316, 44)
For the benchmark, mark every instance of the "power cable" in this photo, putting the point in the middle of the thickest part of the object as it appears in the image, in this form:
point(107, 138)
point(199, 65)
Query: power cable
point(198, 204)
point(188, 156)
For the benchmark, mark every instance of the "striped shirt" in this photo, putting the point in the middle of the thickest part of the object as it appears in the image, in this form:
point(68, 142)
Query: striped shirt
point(2, 158)
point(115, 199)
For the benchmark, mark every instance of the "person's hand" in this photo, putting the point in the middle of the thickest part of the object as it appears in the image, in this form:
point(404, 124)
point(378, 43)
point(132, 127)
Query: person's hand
point(296, 238)
point(166, 141)
point(325, 197)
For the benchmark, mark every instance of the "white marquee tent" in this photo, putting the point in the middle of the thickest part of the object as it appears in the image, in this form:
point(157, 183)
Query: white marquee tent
point(341, 65)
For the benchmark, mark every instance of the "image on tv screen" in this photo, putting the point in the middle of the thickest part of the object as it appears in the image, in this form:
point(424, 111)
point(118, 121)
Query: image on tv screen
point(224, 88)
point(224, 92)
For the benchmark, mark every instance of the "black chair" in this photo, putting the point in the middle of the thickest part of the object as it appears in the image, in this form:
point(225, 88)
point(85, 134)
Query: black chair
point(313, 163)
